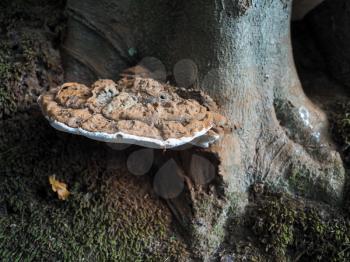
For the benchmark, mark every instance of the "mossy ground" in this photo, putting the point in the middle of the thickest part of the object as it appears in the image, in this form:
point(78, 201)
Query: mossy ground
point(7, 100)
point(340, 120)
point(280, 227)
point(29, 58)
point(284, 225)
point(110, 214)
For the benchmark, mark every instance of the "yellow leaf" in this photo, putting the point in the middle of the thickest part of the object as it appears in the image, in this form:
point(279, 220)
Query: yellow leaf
point(59, 187)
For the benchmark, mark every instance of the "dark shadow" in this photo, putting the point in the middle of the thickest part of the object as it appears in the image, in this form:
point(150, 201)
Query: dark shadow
point(321, 47)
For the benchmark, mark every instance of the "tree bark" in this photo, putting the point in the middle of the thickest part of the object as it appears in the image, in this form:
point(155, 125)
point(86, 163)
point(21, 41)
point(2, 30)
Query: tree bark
point(239, 52)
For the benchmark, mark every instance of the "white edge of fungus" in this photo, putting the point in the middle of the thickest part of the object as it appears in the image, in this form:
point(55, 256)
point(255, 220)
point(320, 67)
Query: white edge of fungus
point(124, 138)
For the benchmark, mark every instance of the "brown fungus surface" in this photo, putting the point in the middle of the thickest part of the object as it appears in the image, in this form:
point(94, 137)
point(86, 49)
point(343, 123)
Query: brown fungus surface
point(136, 106)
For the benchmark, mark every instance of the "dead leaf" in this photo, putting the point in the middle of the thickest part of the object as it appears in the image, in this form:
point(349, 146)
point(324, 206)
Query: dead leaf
point(59, 187)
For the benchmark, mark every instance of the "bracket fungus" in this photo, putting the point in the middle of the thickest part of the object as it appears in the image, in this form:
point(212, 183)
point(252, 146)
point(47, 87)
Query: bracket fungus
point(134, 110)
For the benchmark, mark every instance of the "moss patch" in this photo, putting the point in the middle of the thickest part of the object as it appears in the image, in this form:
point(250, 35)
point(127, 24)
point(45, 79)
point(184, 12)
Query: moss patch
point(340, 120)
point(29, 59)
point(109, 216)
point(207, 226)
point(289, 227)
point(7, 100)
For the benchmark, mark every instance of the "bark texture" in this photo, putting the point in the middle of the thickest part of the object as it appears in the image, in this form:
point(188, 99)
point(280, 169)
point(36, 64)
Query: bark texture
point(240, 53)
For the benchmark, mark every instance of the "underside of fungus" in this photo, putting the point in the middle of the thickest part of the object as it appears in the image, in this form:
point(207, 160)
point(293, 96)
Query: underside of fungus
point(135, 110)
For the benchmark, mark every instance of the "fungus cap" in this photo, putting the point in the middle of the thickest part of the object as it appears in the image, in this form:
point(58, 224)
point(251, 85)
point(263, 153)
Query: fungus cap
point(135, 110)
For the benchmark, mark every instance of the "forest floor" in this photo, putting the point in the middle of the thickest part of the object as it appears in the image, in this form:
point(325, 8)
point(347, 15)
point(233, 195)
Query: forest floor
point(111, 214)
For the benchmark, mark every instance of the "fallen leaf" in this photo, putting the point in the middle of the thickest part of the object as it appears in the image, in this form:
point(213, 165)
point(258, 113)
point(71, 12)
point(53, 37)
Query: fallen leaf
point(59, 187)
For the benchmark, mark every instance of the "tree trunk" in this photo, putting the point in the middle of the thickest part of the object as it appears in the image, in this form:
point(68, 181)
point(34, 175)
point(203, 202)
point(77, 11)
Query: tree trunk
point(239, 52)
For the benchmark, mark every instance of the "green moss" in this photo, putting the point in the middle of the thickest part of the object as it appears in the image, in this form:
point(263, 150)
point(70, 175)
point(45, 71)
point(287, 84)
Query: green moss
point(29, 63)
point(7, 102)
point(206, 229)
point(340, 121)
point(247, 251)
point(299, 180)
point(286, 226)
point(109, 216)
point(340, 127)
point(312, 182)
